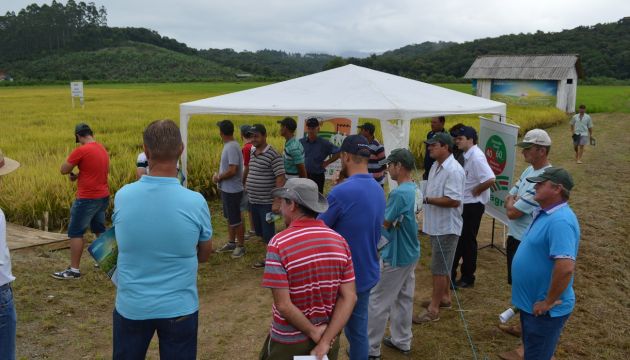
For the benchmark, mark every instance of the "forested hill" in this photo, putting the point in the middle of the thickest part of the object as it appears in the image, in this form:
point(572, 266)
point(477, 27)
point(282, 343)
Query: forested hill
point(604, 50)
point(61, 42)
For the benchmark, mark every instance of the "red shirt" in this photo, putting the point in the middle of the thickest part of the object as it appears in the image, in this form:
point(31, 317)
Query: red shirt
point(312, 261)
point(247, 153)
point(93, 163)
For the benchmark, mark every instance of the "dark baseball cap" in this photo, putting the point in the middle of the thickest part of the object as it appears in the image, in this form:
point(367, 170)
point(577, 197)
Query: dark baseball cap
point(357, 145)
point(467, 131)
point(556, 175)
point(402, 156)
point(245, 129)
point(289, 123)
point(369, 127)
point(257, 129)
point(226, 126)
point(312, 122)
point(82, 128)
point(440, 137)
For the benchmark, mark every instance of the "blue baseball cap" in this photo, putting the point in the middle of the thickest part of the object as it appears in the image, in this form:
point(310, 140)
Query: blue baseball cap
point(357, 145)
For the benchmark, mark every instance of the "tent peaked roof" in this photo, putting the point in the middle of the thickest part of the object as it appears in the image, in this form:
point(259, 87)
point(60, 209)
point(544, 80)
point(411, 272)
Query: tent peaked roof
point(347, 91)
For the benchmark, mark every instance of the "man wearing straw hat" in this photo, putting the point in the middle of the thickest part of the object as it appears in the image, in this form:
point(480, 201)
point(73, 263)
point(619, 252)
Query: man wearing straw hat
point(310, 273)
point(8, 317)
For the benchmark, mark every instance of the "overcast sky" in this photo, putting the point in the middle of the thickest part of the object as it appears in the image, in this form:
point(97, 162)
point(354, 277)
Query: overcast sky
point(341, 26)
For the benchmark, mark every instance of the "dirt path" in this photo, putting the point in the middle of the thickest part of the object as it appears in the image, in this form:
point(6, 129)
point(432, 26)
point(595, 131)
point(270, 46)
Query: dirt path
point(72, 320)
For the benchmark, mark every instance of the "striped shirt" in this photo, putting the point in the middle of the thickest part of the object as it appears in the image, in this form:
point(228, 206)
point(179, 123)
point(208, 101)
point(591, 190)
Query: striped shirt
point(376, 165)
point(311, 261)
point(446, 179)
point(293, 155)
point(261, 178)
point(525, 203)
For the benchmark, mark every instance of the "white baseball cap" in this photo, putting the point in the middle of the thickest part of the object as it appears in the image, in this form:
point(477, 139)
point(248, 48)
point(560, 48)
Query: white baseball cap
point(535, 137)
point(7, 165)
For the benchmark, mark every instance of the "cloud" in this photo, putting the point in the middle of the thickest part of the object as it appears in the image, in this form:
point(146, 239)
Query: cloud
point(335, 26)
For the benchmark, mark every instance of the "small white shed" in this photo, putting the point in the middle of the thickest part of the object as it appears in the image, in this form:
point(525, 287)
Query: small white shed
point(545, 80)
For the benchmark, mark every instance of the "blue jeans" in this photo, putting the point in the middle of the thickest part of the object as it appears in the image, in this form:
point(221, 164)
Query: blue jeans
point(86, 212)
point(8, 319)
point(261, 226)
point(357, 328)
point(541, 334)
point(177, 337)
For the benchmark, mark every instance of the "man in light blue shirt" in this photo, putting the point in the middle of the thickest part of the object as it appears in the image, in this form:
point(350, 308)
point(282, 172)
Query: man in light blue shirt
point(392, 297)
point(163, 231)
point(544, 265)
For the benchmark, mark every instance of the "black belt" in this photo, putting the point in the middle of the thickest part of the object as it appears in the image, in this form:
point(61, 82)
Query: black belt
point(6, 286)
point(292, 174)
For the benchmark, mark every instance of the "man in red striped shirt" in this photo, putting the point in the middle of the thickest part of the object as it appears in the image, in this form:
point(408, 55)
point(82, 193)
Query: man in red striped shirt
point(310, 273)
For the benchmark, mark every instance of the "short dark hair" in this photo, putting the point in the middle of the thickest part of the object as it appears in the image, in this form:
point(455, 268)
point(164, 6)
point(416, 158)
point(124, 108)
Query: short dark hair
point(582, 106)
point(442, 119)
point(163, 140)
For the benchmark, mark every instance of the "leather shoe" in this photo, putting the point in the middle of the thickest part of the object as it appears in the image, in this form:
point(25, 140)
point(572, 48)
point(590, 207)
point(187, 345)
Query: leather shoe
point(387, 341)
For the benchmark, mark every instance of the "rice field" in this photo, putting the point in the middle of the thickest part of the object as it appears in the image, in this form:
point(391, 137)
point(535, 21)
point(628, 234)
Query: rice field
point(38, 122)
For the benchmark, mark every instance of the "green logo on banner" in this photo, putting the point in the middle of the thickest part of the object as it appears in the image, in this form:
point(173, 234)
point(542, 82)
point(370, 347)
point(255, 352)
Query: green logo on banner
point(496, 154)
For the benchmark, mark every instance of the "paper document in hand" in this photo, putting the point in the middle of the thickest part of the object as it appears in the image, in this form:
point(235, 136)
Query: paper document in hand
point(105, 251)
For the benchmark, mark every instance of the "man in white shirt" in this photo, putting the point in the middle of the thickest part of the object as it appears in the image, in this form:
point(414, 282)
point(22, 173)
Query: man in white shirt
point(8, 317)
point(479, 178)
point(442, 221)
point(581, 130)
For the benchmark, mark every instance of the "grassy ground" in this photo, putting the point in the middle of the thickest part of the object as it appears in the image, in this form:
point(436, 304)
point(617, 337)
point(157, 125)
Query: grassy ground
point(72, 319)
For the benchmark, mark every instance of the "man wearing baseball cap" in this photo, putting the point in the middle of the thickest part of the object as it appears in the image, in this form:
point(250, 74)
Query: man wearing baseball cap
point(307, 255)
point(519, 206)
point(8, 316)
point(544, 264)
point(356, 211)
point(264, 173)
point(318, 153)
point(392, 297)
point(376, 165)
point(293, 150)
point(88, 209)
point(443, 201)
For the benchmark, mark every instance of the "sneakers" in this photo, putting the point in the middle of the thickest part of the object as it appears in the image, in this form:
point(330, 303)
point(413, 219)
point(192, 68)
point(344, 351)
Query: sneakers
point(461, 284)
point(426, 317)
point(258, 264)
point(66, 275)
point(238, 252)
point(387, 341)
point(229, 247)
point(443, 305)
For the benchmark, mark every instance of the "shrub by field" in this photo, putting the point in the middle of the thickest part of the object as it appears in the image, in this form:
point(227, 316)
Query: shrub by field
point(38, 122)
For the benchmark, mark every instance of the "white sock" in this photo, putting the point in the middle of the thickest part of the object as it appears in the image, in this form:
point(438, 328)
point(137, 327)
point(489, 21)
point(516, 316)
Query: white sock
point(75, 270)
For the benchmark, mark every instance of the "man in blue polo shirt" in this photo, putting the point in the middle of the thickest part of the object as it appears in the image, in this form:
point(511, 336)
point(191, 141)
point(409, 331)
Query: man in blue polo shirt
point(356, 211)
point(544, 264)
point(318, 153)
point(163, 231)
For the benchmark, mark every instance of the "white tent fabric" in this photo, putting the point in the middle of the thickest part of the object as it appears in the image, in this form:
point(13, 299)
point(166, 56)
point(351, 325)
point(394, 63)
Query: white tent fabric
point(348, 91)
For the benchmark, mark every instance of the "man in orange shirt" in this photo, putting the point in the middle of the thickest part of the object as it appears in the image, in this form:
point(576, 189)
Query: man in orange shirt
point(92, 195)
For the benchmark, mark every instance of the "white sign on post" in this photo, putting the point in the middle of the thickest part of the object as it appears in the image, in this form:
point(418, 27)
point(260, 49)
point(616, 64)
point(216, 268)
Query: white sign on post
point(76, 90)
point(497, 140)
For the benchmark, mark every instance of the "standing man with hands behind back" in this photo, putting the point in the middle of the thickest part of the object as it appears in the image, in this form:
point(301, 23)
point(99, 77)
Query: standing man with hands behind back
point(88, 209)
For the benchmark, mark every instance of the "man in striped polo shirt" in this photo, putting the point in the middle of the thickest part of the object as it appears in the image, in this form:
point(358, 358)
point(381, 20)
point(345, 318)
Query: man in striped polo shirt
point(264, 173)
point(293, 150)
point(310, 273)
point(376, 164)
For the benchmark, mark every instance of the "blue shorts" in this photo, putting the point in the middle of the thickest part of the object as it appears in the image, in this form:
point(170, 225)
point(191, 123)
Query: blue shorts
point(86, 212)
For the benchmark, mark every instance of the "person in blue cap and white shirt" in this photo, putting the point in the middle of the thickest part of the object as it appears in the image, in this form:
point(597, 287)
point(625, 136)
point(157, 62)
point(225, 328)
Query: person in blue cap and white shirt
point(356, 211)
point(544, 265)
point(8, 317)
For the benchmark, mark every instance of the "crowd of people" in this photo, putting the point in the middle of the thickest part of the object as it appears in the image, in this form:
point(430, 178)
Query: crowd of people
point(344, 262)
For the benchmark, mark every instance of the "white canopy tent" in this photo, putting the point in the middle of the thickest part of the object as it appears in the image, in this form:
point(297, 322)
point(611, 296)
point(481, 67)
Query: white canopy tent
point(350, 91)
